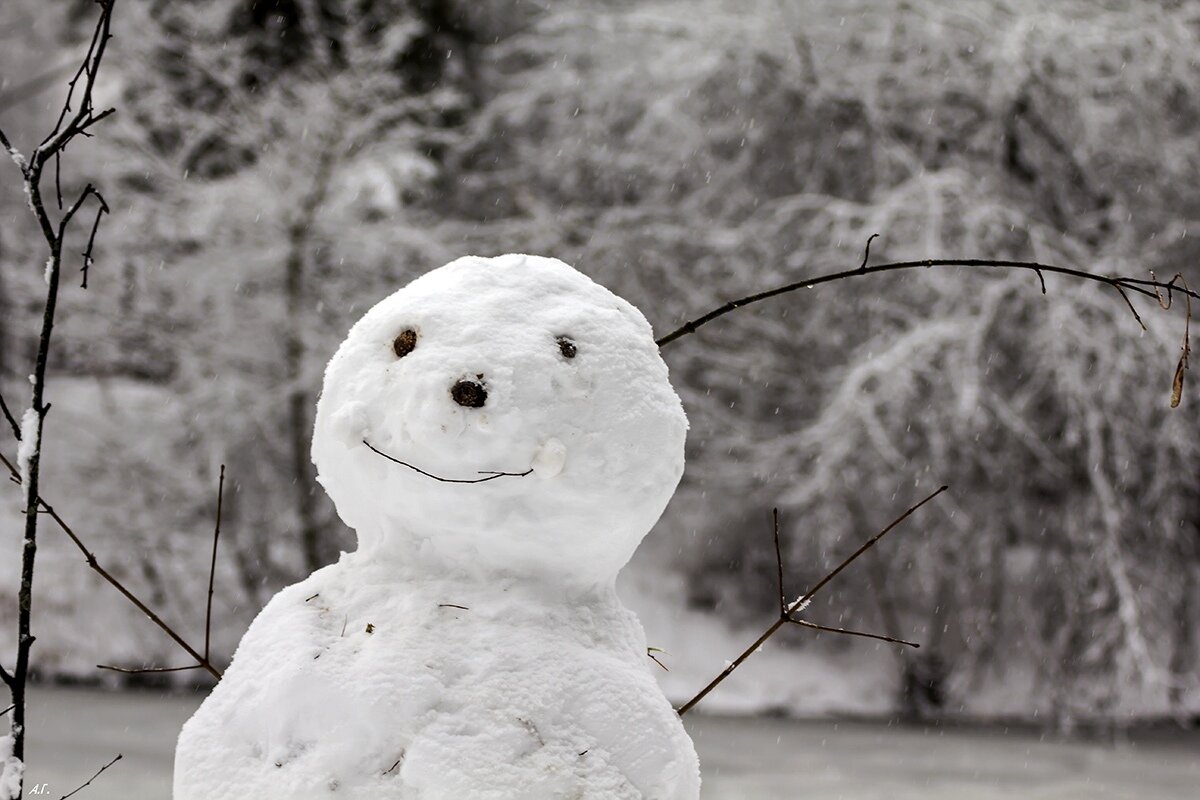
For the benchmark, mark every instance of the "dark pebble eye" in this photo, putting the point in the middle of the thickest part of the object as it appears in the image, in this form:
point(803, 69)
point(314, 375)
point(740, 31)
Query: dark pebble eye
point(405, 343)
point(566, 347)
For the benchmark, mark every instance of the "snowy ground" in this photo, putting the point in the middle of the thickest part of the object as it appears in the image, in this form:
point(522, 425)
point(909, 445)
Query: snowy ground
point(74, 731)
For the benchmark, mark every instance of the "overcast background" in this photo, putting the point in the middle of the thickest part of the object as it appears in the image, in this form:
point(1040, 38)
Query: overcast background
point(267, 189)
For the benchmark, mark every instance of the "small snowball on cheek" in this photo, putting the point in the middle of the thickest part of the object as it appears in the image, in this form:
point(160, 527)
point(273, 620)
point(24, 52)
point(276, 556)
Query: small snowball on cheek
point(352, 422)
point(548, 461)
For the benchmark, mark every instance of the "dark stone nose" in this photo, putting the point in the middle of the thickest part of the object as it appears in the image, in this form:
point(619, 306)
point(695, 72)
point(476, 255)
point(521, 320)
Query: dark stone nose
point(469, 394)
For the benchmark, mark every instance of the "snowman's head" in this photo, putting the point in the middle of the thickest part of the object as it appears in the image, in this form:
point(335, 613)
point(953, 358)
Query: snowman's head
point(501, 415)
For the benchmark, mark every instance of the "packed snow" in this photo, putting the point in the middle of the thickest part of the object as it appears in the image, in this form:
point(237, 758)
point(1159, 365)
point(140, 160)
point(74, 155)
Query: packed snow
point(30, 441)
point(11, 770)
point(501, 434)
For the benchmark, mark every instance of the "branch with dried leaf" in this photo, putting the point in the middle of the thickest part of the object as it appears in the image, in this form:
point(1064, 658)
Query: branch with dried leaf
point(1162, 292)
point(788, 611)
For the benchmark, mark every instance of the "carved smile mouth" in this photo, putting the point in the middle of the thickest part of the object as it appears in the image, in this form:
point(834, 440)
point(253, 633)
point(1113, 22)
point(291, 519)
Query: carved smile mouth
point(488, 475)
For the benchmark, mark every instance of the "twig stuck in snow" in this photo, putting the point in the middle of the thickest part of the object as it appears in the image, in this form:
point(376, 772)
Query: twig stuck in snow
point(787, 612)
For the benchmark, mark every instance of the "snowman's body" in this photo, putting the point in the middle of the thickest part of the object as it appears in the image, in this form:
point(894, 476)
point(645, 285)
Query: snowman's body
point(500, 434)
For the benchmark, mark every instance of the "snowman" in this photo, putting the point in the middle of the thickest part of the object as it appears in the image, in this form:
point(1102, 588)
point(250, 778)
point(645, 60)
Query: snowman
point(500, 434)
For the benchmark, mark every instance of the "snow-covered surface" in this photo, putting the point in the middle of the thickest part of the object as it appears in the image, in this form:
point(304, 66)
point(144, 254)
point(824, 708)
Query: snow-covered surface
point(11, 769)
point(473, 646)
point(30, 442)
point(74, 731)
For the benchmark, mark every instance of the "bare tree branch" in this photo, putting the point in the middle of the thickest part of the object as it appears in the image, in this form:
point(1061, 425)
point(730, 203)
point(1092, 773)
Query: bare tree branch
point(88, 782)
point(147, 670)
point(204, 662)
point(800, 603)
point(212, 569)
point(806, 624)
point(779, 554)
point(66, 129)
point(1148, 288)
point(94, 563)
point(12, 421)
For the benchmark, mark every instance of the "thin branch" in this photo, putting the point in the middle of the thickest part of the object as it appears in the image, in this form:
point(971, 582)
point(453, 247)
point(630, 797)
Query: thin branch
point(89, 780)
point(1186, 347)
point(1139, 286)
point(6, 143)
point(94, 563)
point(88, 69)
point(70, 213)
point(1132, 310)
point(212, 569)
point(12, 421)
point(58, 179)
point(785, 614)
point(800, 603)
point(779, 554)
point(867, 251)
point(91, 243)
point(5, 676)
point(803, 601)
point(145, 670)
point(29, 475)
point(5, 711)
point(806, 624)
point(491, 476)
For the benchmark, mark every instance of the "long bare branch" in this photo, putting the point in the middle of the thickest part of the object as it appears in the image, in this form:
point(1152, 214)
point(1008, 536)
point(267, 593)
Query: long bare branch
point(787, 615)
point(1123, 284)
point(66, 129)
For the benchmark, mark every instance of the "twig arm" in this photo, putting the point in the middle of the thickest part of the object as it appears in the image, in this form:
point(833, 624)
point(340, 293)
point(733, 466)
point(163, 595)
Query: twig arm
point(786, 615)
point(1123, 284)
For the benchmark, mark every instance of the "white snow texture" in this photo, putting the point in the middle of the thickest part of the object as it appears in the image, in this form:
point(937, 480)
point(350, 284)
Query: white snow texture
point(11, 770)
point(473, 647)
point(30, 443)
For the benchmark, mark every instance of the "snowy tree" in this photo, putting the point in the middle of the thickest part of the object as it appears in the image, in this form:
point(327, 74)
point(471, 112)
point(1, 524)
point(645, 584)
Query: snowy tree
point(283, 165)
point(762, 147)
point(258, 134)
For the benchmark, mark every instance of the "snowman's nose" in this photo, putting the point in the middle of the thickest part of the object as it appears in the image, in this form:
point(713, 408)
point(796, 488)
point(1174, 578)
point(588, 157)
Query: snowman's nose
point(469, 394)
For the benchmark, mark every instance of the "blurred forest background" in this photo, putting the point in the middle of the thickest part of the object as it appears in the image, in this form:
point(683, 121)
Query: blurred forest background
point(277, 166)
